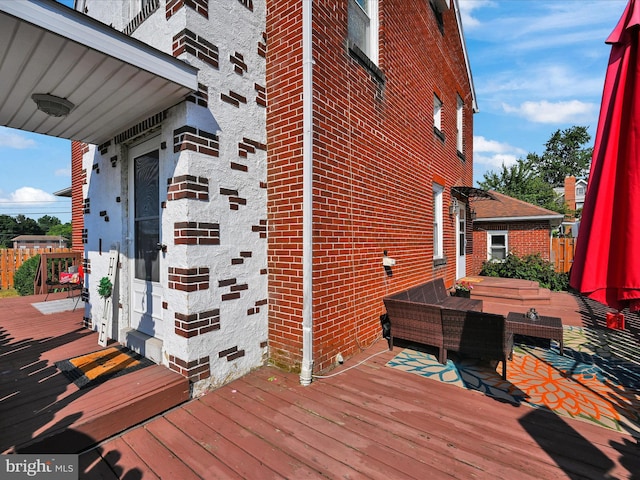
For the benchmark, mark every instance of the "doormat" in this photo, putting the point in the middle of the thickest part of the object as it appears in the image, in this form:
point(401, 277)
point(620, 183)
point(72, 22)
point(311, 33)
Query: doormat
point(596, 380)
point(97, 367)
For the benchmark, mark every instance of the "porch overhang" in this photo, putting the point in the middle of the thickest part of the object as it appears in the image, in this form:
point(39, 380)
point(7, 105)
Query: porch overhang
point(471, 192)
point(112, 80)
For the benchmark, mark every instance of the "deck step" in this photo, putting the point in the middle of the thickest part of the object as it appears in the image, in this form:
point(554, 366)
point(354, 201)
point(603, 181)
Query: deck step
point(497, 290)
point(109, 409)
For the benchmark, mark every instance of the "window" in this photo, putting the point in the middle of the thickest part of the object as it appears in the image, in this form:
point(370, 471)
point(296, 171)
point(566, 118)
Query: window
point(437, 221)
point(437, 114)
point(497, 245)
point(459, 123)
point(579, 190)
point(363, 27)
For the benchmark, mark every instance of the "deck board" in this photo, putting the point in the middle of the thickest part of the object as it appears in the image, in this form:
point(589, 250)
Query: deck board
point(365, 421)
point(41, 410)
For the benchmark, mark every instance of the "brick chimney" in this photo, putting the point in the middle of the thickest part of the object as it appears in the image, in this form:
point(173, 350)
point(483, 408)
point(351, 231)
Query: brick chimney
point(570, 195)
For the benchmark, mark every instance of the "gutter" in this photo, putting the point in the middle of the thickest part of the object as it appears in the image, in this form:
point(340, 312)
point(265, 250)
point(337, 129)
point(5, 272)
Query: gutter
point(520, 219)
point(306, 370)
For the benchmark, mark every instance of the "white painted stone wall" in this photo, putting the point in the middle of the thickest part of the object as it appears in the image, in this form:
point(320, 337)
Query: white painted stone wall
point(232, 28)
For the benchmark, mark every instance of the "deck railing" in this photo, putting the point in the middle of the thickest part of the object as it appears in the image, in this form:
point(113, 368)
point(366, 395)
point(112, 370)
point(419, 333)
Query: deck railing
point(51, 265)
point(12, 258)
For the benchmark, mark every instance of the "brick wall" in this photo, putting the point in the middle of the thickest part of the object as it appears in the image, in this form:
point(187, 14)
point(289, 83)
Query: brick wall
point(375, 159)
point(523, 238)
point(78, 179)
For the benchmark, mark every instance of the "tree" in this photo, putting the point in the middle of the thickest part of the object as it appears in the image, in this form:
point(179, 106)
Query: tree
point(11, 227)
point(8, 230)
point(521, 181)
point(566, 154)
point(47, 221)
point(532, 179)
point(63, 230)
point(28, 226)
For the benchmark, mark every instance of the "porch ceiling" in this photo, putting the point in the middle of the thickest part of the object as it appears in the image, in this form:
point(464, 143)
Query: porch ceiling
point(113, 80)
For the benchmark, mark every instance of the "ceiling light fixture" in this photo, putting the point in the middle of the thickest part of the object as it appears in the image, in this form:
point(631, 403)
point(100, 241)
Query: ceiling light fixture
point(52, 105)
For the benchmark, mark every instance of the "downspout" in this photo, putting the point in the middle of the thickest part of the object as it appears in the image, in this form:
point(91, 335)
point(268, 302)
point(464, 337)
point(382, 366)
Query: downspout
point(306, 370)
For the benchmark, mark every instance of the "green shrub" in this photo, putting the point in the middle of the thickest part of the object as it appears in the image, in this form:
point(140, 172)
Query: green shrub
point(530, 267)
point(25, 275)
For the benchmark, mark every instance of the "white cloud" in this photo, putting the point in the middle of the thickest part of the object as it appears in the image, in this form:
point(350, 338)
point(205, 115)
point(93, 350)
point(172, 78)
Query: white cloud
point(63, 172)
point(481, 144)
point(493, 162)
point(13, 139)
point(466, 11)
point(29, 195)
point(573, 111)
point(492, 154)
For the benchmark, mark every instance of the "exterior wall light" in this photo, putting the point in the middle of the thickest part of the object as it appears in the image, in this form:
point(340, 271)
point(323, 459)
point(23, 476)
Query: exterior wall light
point(453, 206)
point(52, 105)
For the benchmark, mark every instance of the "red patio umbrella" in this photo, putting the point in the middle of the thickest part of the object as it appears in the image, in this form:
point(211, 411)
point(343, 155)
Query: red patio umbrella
point(606, 265)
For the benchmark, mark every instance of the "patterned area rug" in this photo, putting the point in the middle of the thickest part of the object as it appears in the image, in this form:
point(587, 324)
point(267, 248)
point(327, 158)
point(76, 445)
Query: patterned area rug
point(597, 379)
point(97, 367)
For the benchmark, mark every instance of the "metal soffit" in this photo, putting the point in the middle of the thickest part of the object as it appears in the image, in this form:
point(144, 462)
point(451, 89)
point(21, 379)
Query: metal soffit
point(113, 81)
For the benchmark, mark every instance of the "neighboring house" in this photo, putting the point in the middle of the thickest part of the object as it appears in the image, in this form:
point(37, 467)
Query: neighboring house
point(39, 241)
point(572, 193)
point(254, 162)
point(507, 225)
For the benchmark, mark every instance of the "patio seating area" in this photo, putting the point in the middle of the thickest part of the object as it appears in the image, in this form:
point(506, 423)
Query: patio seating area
point(363, 420)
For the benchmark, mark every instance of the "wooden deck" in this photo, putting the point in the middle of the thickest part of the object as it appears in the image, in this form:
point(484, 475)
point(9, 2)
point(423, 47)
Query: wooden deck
point(40, 410)
point(364, 421)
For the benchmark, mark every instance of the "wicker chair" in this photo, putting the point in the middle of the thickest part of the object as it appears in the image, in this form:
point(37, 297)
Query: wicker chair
point(415, 322)
point(476, 334)
point(435, 293)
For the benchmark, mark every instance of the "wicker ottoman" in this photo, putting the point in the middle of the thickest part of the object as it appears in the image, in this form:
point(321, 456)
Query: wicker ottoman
point(545, 327)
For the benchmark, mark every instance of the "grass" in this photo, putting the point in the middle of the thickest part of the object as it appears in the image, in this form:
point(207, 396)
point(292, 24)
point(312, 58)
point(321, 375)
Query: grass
point(11, 292)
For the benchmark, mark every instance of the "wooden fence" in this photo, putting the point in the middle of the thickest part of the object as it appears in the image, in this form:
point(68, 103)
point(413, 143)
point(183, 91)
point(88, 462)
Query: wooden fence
point(562, 250)
point(12, 258)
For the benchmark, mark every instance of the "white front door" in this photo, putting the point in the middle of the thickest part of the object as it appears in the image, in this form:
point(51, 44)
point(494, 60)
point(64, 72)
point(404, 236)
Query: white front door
point(144, 248)
point(461, 243)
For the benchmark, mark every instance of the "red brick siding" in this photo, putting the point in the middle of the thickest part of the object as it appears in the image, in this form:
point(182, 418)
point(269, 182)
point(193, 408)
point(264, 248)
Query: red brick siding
point(189, 42)
point(187, 186)
point(191, 325)
point(191, 138)
point(200, 6)
point(189, 279)
point(375, 157)
point(194, 370)
point(523, 238)
point(196, 233)
point(78, 179)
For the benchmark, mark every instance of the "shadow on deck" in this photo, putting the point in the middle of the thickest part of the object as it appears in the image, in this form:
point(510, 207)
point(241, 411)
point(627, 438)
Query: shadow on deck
point(41, 410)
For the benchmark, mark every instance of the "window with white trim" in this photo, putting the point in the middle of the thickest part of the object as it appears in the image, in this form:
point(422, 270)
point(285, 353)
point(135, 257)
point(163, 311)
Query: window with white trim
point(459, 124)
point(438, 251)
point(497, 245)
point(363, 27)
point(437, 113)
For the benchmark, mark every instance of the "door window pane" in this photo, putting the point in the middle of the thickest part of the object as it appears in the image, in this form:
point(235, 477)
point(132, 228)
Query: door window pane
point(147, 216)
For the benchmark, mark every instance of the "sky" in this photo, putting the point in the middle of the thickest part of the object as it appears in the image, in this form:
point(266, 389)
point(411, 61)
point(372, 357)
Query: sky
point(537, 66)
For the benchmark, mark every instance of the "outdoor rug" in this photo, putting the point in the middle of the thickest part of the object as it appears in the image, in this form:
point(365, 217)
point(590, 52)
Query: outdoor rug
point(97, 367)
point(597, 380)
